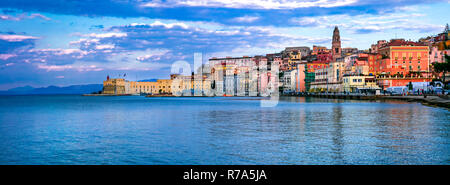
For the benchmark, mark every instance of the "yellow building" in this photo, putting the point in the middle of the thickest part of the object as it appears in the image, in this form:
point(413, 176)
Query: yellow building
point(295, 58)
point(143, 87)
point(114, 86)
point(182, 85)
point(359, 83)
point(159, 87)
point(164, 86)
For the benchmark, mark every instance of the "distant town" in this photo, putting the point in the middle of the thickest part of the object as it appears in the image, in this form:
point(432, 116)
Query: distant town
point(397, 66)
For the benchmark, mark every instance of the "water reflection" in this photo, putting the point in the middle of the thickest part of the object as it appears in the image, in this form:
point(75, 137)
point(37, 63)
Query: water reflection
point(338, 142)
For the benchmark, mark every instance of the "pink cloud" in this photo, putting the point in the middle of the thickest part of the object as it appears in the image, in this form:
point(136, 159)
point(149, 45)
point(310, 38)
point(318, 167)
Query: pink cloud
point(68, 67)
point(16, 38)
point(39, 16)
point(6, 56)
point(23, 16)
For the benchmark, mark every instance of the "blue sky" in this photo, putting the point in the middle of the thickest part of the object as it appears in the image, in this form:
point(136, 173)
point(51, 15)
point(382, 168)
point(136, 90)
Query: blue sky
point(48, 42)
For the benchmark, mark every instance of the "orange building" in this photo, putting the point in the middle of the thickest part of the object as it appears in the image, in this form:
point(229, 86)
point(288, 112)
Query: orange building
point(402, 62)
point(319, 49)
point(313, 66)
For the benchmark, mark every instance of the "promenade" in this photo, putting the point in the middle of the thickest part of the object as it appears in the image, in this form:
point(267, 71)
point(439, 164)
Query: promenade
point(441, 101)
point(432, 100)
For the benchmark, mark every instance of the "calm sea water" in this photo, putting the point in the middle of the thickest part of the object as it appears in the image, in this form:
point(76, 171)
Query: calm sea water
point(221, 130)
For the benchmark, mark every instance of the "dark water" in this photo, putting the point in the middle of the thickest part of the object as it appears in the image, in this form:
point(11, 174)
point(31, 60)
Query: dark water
point(225, 130)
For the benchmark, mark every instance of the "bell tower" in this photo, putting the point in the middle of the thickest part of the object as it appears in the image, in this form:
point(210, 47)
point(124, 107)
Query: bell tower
point(336, 44)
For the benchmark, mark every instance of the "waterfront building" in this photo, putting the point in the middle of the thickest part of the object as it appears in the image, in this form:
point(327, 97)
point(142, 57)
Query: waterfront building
point(329, 79)
point(289, 81)
point(310, 77)
point(142, 87)
point(242, 76)
point(114, 86)
point(360, 84)
point(335, 73)
point(402, 62)
point(300, 78)
point(320, 83)
point(164, 86)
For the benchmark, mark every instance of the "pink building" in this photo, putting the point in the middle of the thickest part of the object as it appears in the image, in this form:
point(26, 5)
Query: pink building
point(436, 55)
point(300, 78)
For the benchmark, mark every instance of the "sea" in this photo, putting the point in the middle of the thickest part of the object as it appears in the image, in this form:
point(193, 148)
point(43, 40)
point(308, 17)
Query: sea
point(137, 130)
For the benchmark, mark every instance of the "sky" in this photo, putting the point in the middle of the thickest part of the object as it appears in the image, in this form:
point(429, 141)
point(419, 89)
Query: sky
point(63, 42)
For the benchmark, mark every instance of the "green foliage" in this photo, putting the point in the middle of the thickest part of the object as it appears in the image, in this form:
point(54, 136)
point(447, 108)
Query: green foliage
point(410, 86)
point(442, 67)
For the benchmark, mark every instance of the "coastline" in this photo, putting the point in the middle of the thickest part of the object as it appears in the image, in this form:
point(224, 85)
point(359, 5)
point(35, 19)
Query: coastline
point(433, 100)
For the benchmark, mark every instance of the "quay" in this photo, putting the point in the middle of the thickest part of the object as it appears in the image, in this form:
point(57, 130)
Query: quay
point(440, 101)
point(431, 100)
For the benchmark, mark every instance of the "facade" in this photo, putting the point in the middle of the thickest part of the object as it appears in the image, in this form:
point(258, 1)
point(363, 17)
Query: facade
point(120, 86)
point(319, 49)
point(304, 50)
point(142, 87)
point(436, 55)
point(289, 81)
point(349, 51)
point(375, 47)
point(300, 78)
point(114, 86)
point(243, 76)
point(329, 79)
point(360, 84)
point(402, 62)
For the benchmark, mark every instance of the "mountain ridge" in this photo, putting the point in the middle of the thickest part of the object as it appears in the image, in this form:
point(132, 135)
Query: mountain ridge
point(52, 89)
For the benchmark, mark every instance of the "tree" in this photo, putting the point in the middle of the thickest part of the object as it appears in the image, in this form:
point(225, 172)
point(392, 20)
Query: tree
point(443, 68)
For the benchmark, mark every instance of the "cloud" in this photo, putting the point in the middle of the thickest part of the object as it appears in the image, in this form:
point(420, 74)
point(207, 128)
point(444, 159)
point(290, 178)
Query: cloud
point(270, 12)
point(77, 67)
point(12, 42)
point(16, 38)
point(23, 16)
point(6, 56)
point(105, 46)
point(367, 23)
point(246, 19)
point(249, 4)
point(106, 35)
point(34, 15)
